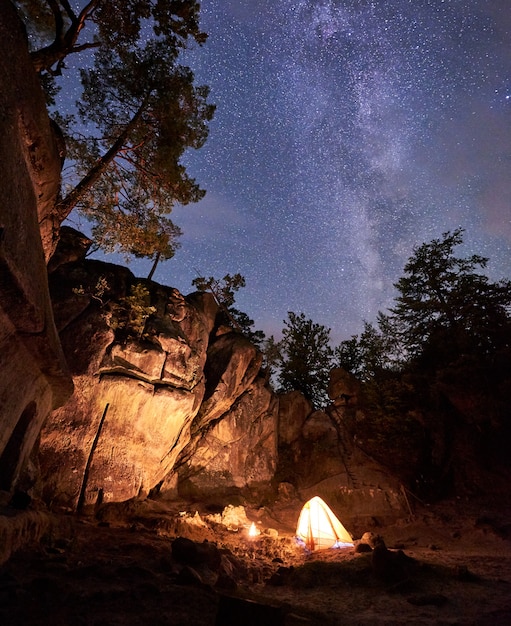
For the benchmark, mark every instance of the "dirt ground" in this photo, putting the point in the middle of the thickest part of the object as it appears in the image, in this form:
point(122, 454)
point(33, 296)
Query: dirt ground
point(450, 565)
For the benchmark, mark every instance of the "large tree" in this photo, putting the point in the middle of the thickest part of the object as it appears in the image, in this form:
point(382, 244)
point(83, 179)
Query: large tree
point(436, 369)
point(138, 113)
point(445, 309)
point(444, 304)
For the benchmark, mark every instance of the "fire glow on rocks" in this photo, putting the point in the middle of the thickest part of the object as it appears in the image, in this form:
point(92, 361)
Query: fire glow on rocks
point(252, 531)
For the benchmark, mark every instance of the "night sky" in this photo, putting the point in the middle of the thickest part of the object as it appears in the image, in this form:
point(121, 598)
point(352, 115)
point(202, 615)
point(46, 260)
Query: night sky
point(346, 133)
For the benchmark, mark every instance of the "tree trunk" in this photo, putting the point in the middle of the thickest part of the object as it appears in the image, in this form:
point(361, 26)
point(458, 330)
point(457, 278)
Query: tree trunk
point(153, 268)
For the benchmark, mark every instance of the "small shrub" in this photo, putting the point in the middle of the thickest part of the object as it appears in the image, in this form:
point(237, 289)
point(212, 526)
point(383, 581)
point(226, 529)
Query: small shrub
point(129, 316)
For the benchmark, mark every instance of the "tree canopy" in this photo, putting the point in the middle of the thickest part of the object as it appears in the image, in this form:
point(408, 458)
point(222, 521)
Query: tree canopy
point(306, 358)
point(443, 301)
point(138, 113)
point(224, 290)
point(445, 309)
point(436, 368)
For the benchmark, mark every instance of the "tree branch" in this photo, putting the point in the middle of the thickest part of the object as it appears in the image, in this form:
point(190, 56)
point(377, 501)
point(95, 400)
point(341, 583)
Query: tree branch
point(57, 16)
point(67, 204)
point(64, 43)
point(83, 46)
point(67, 8)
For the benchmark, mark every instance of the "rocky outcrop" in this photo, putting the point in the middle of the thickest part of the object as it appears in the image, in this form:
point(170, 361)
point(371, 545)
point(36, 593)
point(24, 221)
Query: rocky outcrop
point(343, 387)
point(34, 377)
point(318, 455)
point(237, 453)
point(135, 399)
point(72, 246)
point(294, 409)
point(141, 400)
point(168, 402)
point(233, 363)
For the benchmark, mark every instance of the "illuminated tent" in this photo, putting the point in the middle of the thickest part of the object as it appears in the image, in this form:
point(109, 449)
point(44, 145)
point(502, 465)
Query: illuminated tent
point(319, 528)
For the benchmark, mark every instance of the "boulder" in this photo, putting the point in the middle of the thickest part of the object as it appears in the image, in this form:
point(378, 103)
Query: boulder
point(343, 387)
point(188, 552)
point(389, 566)
point(319, 426)
point(294, 409)
point(372, 540)
point(72, 246)
point(232, 364)
point(233, 611)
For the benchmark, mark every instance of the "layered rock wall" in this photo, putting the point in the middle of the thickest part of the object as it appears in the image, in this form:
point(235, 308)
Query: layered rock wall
point(237, 453)
point(34, 377)
point(178, 395)
point(135, 399)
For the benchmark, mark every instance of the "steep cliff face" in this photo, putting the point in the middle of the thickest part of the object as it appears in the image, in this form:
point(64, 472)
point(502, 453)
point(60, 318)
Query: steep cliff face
point(34, 377)
point(134, 400)
point(237, 453)
point(139, 400)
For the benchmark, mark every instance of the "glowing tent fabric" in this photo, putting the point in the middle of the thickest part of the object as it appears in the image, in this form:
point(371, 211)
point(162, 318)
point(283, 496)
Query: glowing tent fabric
point(319, 528)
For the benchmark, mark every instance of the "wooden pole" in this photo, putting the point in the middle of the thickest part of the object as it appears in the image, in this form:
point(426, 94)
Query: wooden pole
point(81, 499)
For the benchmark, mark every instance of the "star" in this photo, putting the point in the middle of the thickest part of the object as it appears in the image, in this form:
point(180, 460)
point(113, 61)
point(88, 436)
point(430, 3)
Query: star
point(346, 133)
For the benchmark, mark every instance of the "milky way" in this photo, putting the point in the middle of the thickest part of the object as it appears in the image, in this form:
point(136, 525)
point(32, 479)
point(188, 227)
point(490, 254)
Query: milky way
point(346, 133)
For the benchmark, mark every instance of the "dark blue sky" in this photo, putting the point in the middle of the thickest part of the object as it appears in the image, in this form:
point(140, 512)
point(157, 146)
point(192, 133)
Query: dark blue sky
point(346, 133)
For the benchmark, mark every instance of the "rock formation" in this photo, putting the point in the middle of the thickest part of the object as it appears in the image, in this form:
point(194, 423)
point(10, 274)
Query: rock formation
point(165, 398)
point(238, 452)
point(294, 409)
point(135, 399)
point(34, 377)
point(179, 408)
point(319, 456)
point(142, 403)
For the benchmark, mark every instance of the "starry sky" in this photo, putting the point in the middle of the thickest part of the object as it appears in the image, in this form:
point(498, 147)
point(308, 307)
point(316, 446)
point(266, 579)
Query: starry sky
point(346, 133)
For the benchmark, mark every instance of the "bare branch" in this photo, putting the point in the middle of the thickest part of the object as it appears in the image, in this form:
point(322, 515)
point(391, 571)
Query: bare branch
point(64, 43)
point(57, 16)
point(67, 8)
point(84, 46)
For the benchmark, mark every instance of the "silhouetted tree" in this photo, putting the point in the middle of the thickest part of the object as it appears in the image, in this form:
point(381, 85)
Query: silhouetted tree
point(375, 351)
point(445, 306)
point(306, 358)
point(224, 290)
point(435, 369)
point(445, 310)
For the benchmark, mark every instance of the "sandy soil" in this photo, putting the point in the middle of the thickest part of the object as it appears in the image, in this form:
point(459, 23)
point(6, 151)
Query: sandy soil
point(454, 568)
